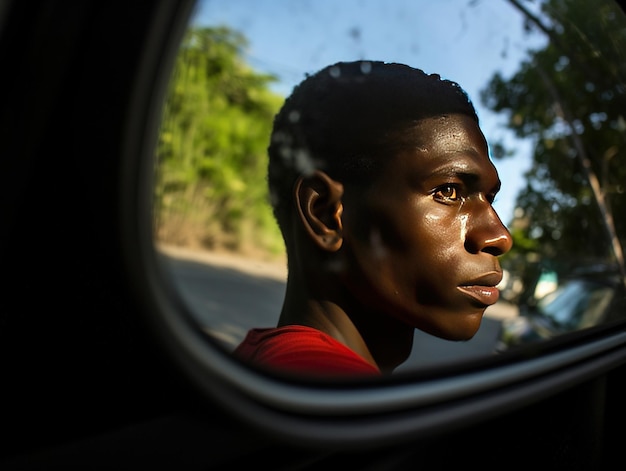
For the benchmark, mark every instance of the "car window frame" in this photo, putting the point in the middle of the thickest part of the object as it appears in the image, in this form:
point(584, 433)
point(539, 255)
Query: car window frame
point(333, 413)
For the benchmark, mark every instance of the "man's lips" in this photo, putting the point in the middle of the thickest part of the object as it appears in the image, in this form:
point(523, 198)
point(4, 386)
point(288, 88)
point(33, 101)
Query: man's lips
point(483, 289)
point(485, 295)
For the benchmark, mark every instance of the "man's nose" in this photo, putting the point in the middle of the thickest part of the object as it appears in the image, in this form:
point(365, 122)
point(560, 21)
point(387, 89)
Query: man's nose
point(487, 233)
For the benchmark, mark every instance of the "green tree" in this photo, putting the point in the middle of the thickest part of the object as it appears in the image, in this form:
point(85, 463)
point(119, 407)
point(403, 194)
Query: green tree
point(570, 98)
point(211, 189)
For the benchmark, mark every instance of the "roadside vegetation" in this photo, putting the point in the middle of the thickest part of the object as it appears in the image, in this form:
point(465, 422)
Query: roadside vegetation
point(211, 161)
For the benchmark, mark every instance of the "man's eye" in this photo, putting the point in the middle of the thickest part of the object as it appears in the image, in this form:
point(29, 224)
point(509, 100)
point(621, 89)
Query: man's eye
point(447, 193)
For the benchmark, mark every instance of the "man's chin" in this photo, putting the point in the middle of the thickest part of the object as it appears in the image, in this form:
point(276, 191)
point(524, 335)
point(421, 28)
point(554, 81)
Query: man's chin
point(458, 328)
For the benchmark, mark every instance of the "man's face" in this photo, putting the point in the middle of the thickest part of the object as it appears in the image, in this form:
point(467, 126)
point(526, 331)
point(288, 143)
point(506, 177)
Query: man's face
point(422, 242)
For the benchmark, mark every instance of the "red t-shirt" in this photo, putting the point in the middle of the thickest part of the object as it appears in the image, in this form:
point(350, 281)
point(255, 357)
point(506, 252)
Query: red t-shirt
point(302, 349)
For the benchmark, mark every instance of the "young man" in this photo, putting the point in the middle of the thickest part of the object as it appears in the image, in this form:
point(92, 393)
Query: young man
point(382, 185)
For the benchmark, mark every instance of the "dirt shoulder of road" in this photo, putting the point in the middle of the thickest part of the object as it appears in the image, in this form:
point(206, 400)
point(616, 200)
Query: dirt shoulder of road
point(276, 269)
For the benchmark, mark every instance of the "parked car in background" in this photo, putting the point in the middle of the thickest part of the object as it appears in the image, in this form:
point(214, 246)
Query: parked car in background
point(590, 296)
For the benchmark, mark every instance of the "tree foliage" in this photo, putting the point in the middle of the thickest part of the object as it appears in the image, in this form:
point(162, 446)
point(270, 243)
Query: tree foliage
point(570, 99)
point(211, 189)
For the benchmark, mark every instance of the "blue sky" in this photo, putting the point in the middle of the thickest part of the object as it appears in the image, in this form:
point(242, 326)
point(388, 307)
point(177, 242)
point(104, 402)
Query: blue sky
point(462, 40)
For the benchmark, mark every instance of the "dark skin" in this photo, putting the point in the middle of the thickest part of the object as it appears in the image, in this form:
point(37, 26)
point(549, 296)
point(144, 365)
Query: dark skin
point(418, 248)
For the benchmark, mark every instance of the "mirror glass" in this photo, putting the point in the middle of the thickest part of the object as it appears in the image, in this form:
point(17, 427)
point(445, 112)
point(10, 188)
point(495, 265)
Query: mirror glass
point(547, 80)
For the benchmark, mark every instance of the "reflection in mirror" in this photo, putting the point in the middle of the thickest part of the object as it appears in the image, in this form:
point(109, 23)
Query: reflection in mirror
point(547, 82)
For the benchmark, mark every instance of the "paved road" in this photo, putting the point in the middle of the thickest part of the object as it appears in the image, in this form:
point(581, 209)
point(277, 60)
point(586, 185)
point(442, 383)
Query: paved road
point(230, 295)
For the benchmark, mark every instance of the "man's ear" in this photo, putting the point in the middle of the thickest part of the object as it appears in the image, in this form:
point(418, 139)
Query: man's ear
point(318, 199)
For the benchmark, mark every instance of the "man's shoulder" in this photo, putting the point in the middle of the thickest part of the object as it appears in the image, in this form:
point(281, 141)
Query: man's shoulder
point(303, 349)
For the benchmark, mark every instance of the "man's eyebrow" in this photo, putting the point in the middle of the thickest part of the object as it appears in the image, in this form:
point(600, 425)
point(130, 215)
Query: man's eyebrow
point(469, 178)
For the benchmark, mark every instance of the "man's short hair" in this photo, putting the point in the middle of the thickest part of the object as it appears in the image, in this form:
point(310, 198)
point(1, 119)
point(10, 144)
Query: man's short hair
point(347, 120)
